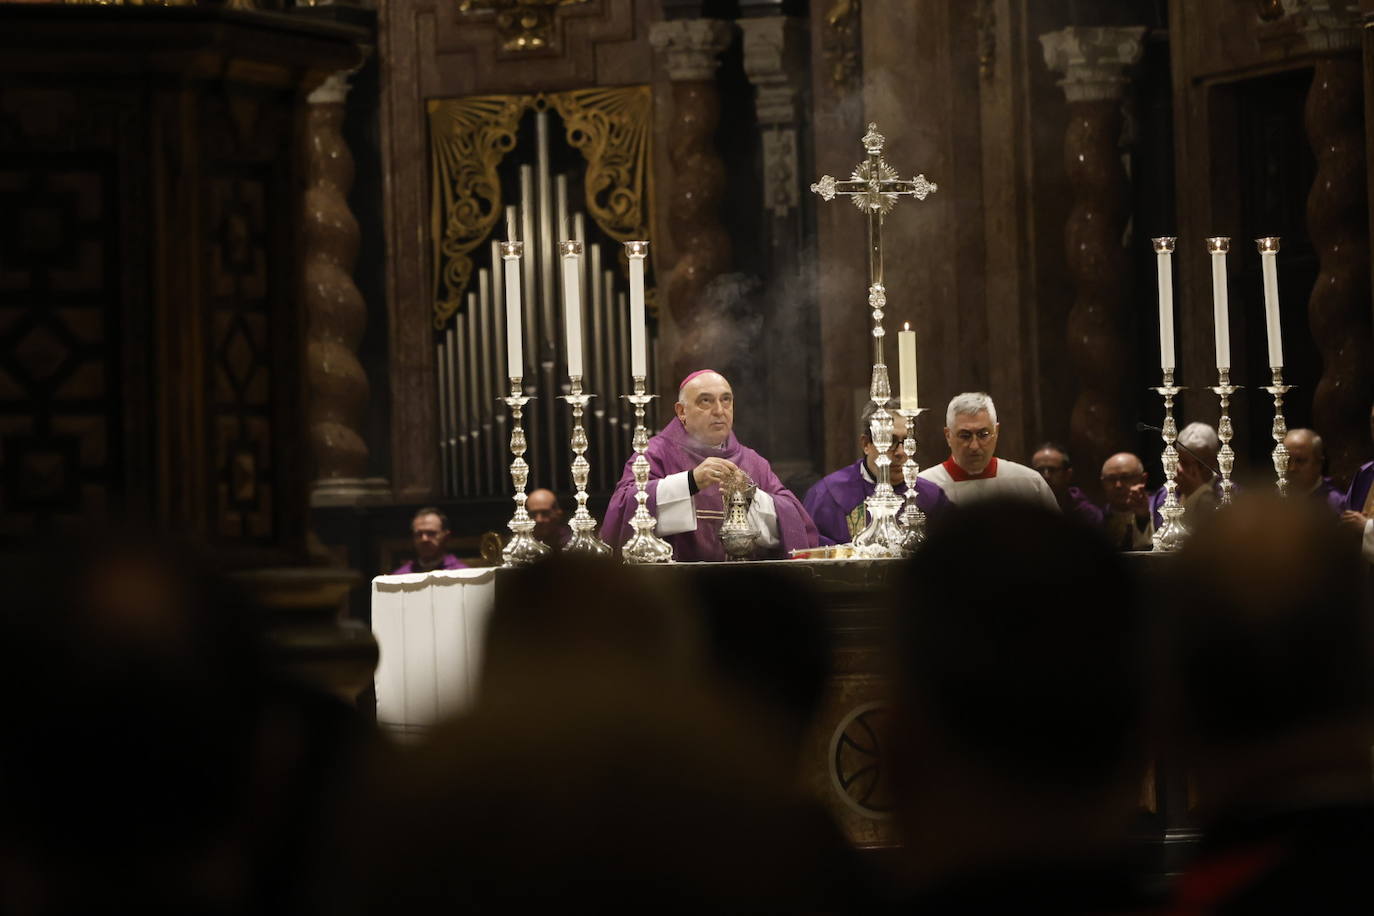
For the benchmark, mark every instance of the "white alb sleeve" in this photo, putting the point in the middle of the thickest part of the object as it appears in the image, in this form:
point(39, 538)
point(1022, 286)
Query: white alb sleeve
point(763, 514)
point(676, 512)
point(1367, 543)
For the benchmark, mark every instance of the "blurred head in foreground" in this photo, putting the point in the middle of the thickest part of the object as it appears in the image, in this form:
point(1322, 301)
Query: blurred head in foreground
point(601, 767)
point(1271, 651)
point(1021, 699)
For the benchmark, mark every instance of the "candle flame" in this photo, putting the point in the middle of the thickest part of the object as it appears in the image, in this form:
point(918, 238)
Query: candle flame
point(906, 325)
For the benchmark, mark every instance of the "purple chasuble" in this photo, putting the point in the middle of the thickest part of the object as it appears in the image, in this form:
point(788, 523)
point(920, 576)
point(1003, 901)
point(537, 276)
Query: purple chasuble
point(1359, 488)
point(837, 497)
point(672, 451)
point(1077, 505)
point(449, 561)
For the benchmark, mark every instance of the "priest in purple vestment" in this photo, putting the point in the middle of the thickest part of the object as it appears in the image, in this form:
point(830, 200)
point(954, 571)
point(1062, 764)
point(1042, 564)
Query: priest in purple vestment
point(1054, 464)
point(429, 533)
point(1306, 457)
point(688, 459)
point(1359, 502)
point(837, 501)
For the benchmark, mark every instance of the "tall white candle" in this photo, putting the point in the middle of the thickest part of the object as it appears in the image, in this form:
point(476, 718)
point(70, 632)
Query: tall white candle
point(572, 303)
point(511, 252)
point(1269, 256)
point(1221, 310)
point(906, 362)
point(1164, 262)
point(639, 356)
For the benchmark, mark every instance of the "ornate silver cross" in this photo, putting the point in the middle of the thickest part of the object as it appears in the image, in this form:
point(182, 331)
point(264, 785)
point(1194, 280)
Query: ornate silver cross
point(875, 189)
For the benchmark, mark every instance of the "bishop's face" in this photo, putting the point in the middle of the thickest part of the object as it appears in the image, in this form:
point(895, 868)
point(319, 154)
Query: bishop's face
point(707, 409)
point(972, 441)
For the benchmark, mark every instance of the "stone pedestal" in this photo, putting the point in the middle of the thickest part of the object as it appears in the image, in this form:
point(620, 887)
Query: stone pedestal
point(1094, 62)
point(689, 49)
point(335, 312)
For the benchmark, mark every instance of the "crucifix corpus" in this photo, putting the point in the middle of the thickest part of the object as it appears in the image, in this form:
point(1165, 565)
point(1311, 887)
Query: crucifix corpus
point(875, 189)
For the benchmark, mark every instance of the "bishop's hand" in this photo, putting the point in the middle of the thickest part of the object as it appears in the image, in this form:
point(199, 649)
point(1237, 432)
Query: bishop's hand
point(712, 471)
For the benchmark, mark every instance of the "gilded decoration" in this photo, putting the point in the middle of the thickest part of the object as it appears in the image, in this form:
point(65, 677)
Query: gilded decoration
point(470, 137)
point(523, 25)
point(840, 43)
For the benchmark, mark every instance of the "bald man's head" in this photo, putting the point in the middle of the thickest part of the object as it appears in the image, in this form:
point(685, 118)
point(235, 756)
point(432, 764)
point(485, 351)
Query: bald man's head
point(1306, 454)
point(706, 407)
point(1120, 473)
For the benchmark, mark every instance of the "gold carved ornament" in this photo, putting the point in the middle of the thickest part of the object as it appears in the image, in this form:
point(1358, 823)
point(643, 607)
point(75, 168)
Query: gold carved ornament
point(611, 128)
point(523, 25)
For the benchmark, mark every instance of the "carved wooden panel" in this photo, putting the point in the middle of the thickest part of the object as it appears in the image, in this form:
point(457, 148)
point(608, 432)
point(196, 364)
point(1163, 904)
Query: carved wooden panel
point(60, 416)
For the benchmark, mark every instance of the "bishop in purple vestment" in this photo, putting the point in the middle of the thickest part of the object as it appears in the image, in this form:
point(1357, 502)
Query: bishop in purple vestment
point(688, 460)
point(1053, 462)
point(837, 501)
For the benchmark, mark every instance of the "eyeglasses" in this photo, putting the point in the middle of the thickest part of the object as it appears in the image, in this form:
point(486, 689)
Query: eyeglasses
point(1049, 469)
point(967, 435)
point(1116, 479)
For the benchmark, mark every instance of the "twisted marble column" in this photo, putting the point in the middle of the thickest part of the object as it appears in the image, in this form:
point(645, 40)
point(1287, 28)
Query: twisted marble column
point(689, 49)
point(1093, 62)
point(1338, 222)
point(337, 387)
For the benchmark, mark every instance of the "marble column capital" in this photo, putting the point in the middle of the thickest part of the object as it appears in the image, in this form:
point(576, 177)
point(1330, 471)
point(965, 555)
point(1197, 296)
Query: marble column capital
point(1093, 61)
point(691, 48)
point(775, 62)
point(1331, 25)
point(333, 91)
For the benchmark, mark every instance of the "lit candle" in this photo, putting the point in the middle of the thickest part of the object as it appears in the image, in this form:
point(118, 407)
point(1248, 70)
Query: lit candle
point(1221, 311)
point(906, 359)
point(639, 359)
point(511, 252)
point(1269, 257)
point(572, 303)
point(1164, 262)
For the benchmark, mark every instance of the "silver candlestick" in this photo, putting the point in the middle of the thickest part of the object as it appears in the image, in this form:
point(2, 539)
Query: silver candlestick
point(522, 549)
point(1280, 430)
point(644, 546)
point(913, 519)
point(1172, 532)
point(874, 189)
point(1226, 457)
point(584, 540)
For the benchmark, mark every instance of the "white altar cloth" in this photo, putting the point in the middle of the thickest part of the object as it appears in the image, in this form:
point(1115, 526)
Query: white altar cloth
point(431, 631)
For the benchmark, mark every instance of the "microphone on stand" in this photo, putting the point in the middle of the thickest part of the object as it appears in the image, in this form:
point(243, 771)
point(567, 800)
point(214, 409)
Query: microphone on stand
point(1141, 427)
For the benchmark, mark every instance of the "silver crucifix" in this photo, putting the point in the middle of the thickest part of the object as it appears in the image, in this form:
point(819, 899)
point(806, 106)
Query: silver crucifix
point(875, 189)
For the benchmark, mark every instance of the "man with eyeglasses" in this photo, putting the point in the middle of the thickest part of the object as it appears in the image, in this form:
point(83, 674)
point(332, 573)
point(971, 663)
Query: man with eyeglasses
point(1052, 462)
point(1127, 519)
point(972, 473)
point(837, 501)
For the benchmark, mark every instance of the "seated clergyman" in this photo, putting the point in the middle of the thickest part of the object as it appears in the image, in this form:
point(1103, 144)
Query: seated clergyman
point(972, 472)
point(836, 502)
point(1198, 486)
point(688, 461)
point(1306, 455)
point(1126, 516)
point(1052, 462)
point(429, 533)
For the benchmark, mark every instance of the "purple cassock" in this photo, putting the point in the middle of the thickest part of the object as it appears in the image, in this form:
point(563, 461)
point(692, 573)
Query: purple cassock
point(1076, 505)
point(1357, 497)
point(673, 451)
point(1327, 494)
point(836, 501)
point(448, 561)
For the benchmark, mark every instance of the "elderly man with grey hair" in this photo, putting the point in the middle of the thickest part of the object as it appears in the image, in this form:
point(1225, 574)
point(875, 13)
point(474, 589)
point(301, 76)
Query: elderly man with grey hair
point(1199, 488)
point(973, 473)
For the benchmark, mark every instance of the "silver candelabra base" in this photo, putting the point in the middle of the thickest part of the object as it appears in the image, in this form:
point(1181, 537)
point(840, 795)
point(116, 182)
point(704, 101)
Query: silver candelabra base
point(522, 549)
point(1172, 532)
point(644, 547)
